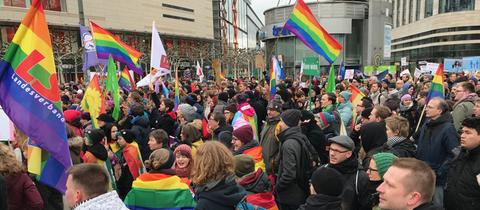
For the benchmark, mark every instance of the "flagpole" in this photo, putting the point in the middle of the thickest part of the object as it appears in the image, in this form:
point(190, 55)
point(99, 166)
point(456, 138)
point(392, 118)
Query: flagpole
point(420, 119)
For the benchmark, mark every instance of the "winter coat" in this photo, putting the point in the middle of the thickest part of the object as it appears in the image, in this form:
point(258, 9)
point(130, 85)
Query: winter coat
point(378, 98)
point(254, 150)
point(322, 202)
point(462, 189)
point(221, 128)
point(355, 180)
point(167, 122)
point(436, 142)
point(261, 111)
point(22, 193)
point(336, 117)
point(289, 190)
point(75, 146)
point(3, 193)
point(428, 206)
point(141, 129)
point(95, 154)
point(219, 195)
point(317, 139)
point(463, 109)
point(270, 144)
point(259, 189)
point(409, 113)
point(401, 147)
point(220, 106)
point(373, 135)
point(107, 201)
point(346, 112)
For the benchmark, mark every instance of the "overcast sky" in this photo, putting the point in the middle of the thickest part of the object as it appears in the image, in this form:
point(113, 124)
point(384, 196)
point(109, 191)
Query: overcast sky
point(261, 5)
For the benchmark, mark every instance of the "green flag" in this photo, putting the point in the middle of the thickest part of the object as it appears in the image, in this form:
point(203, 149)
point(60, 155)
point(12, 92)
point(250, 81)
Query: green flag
point(331, 81)
point(112, 87)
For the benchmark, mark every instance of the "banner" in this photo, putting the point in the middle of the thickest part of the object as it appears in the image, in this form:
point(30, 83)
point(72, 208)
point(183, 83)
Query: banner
point(452, 65)
point(471, 63)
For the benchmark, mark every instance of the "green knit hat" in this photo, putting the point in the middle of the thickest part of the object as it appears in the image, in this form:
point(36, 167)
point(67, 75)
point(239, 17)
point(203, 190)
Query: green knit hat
point(383, 161)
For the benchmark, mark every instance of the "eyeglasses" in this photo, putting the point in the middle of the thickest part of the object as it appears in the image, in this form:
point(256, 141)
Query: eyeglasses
point(371, 169)
point(337, 151)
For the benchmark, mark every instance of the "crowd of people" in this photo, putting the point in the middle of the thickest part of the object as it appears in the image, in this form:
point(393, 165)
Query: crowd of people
point(233, 145)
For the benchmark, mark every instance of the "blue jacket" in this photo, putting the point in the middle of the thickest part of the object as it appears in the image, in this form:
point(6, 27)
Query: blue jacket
point(436, 144)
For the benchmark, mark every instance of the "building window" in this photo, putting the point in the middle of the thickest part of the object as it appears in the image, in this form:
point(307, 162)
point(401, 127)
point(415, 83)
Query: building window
point(53, 5)
point(405, 14)
point(455, 5)
point(397, 20)
point(177, 7)
point(428, 8)
point(417, 11)
point(411, 12)
point(14, 3)
point(178, 18)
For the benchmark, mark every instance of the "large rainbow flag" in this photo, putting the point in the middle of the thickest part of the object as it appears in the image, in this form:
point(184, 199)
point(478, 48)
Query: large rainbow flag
point(126, 81)
point(156, 191)
point(94, 101)
point(107, 44)
point(437, 89)
point(303, 24)
point(30, 95)
point(256, 154)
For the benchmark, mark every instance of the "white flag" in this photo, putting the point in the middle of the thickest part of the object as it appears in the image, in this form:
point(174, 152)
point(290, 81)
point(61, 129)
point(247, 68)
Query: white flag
point(158, 56)
point(199, 71)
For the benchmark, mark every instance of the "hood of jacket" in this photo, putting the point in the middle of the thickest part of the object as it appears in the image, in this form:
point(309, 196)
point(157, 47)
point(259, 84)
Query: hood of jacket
point(349, 166)
point(373, 135)
point(141, 121)
point(322, 202)
point(99, 151)
point(256, 182)
point(470, 99)
point(246, 109)
point(107, 201)
point(292, 132)
point(225, 192)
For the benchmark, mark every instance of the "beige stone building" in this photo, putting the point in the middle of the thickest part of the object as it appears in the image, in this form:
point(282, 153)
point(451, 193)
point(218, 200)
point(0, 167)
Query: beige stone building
point(431, 30)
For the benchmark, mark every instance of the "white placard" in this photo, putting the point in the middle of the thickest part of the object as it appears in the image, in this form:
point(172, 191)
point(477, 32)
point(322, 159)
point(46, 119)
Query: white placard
point(431, 68)
point(417, 73)
point(349, 73)
point(4, 126)
point(403, 61)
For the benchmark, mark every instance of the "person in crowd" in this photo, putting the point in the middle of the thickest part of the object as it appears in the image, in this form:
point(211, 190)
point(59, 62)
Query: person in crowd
point(140, 128)
point(185, 114)
point(160, 188)
point(102, 119)
point(130, 162)
point(476, 108)
point(96, 152)
point(376, 95)
point(75, 144)
point(192, 137)
point(255, 182)
point(377, 167)
point(268, 140)
point(397, 134)
point(344, 160)
point(380, 113)
point(326, 190)
point(243, 143)
point(292, 183)
point(229, 112)
point(408, 110)
point(365, 104)
point(465, 101)
point(167, 118)
point(246, 114)
point(213, 178)
point(87, 188)
point(324, 121)
point(22, 192)
point(72, 119)
point(437, 141)
point(329, 105)
point(345, 108)
point(408, 184)
point(218, 123)
point(158, 139)
point(462, 188)
point(222, 102)
point(314, 134)
point(183, 161)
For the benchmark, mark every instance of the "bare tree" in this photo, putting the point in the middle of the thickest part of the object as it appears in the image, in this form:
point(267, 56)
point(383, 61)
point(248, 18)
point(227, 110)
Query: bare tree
point(3, 49)
point(65, 48)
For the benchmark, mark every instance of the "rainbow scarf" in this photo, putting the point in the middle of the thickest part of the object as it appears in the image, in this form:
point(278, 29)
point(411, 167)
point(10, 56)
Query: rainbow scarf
point(156, 191)
point(437, 89)
point(303, 24)
point(256, 154)
point(30, 96)
point(91, 102)
point(109, 44)
point(126, 82)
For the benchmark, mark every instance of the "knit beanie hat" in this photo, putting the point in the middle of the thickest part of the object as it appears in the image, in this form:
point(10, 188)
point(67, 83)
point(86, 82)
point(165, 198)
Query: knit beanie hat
point(105, 118)
point(366, 112)
point(160, 159)
point(183, 149)
point(244, 134)
point(126, 134)
point(346, 95)
point(383, 161)
point(327, 181)
point(223, 96)
point(307, 116)
point(275, 105)
point(325, 118)
point(187, 111)
point(95, 135)
point(406, 97)
point(291, 117)
point(71, 115)
point(225, 137)
point(244, 164)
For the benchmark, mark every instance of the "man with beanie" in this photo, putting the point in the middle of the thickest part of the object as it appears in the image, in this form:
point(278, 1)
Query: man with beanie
point(314, 134)
point(292, 181)
point(329, 104)
point(377, 167)
point(96, 152)
point(222, 102)
point(243, 143)
point(344, 160)
point(229, 112)
point(327, 188)
point(130, 162)
point(268, 140)
point(255, 182)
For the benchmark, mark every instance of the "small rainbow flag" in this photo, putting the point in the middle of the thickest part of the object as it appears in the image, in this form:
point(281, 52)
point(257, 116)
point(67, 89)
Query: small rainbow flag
point(176, 100)
point(30, 96)
point(356, 99)
point(160, 191)
point(90, 102)
point(107, 44)
point(303, 24)
point(437, 89)
point(126, 81)
point(274, 69)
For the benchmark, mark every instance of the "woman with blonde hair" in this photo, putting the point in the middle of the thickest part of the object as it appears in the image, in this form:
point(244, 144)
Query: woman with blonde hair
point(191, 136)
point(22, 192)
point(213, 178)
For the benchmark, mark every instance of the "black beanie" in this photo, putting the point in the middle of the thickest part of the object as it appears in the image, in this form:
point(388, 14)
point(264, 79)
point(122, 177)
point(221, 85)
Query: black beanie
point(128, 135)
point(327, 181)
point(291, 117)
point(95, 135)
point(223, 96)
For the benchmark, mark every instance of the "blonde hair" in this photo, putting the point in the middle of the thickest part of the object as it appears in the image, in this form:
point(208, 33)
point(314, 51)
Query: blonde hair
point(8, 163)
point(157, 158)
point(398, 124)
point(213, 162)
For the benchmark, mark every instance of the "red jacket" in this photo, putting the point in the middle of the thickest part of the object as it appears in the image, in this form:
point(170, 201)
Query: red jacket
point(22, 193)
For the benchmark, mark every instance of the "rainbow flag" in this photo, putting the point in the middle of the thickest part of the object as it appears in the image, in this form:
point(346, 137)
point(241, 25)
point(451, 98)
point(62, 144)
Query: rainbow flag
point(274, 69)
point(355, 99)
point(30, 96)
point(91, 102)
point(303, 24)
point(437, 89)
point(177, 92)
point(156, 191)
point(107, 44)
point(126, 81)
point(256, 154)
point(243, 117)
point(165, 90)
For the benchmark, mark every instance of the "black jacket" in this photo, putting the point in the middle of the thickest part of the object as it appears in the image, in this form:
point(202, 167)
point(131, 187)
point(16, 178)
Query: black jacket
point(166, 122)
point(220, 195)
point(373, 135)
point(405, 148)
point(462, 190)
point(322, 202)
point(317, 139)
point(428, 206)
point(141, 129)
point(226, 127)
point(349, 170)
point(288, 187)
point(3, 193)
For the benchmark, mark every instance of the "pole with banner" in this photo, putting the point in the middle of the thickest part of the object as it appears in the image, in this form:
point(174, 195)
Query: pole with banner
point(311, 67)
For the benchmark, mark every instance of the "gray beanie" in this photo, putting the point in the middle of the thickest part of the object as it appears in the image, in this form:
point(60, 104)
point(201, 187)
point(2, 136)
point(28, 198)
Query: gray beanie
point(187, 111)
point(291, 117)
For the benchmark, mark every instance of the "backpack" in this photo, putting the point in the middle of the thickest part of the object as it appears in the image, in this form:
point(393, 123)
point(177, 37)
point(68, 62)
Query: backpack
point(244, 205)
point(309, 156)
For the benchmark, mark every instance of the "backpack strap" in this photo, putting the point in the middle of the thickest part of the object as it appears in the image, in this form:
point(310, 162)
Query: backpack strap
point(356, 182)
